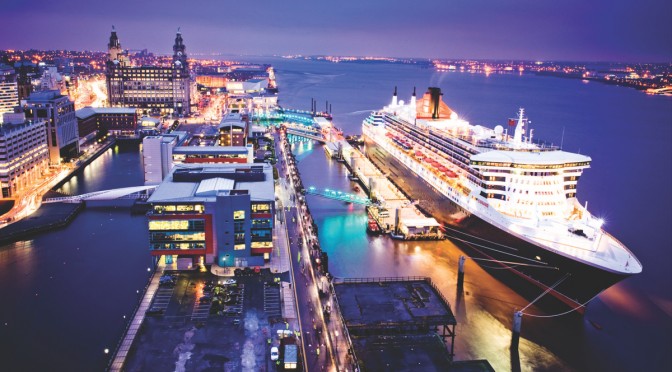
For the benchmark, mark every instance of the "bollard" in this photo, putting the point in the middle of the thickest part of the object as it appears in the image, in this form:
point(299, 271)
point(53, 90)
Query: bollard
point(515, 337)
point(460, 272)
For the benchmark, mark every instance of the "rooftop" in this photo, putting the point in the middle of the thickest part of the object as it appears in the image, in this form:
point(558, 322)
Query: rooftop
point(46, 95)
point(88, 111)
point(203, 182)
point(210, 150)
point(7, 128)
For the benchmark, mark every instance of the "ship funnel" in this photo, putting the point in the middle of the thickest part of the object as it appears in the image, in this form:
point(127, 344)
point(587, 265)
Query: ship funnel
point(435, 94)
point(394, 96)
point(413, 99)
point(520, 127)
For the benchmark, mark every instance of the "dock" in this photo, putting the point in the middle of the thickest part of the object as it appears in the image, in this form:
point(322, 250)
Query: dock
point(395, 213)
point(47, 217)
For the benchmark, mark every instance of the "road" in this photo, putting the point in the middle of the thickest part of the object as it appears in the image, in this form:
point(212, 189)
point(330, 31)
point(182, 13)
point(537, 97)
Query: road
point(327, 336)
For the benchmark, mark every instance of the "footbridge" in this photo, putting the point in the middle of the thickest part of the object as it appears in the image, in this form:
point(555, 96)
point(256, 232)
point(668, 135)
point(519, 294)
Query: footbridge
point(338, 195)
point(125, 193)
point(291, 115)
point(305, 131)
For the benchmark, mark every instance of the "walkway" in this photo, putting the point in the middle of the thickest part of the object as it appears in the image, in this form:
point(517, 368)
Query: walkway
point(134, 326)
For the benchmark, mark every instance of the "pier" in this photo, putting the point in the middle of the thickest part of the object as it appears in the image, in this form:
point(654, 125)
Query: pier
point(46, 218)
point(382, 316)
point(391, 209)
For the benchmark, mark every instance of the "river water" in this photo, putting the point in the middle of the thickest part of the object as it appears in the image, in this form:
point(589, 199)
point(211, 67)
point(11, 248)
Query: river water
point(65, 293)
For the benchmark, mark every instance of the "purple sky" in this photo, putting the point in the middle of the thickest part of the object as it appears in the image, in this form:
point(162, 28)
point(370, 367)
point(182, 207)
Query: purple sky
point(616, 30)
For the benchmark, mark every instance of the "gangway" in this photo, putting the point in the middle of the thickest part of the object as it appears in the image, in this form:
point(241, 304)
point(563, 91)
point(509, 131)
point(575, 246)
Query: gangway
point(339, 195)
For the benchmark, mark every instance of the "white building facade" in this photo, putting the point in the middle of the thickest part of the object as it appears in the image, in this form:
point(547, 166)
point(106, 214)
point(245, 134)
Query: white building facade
point(24, 155)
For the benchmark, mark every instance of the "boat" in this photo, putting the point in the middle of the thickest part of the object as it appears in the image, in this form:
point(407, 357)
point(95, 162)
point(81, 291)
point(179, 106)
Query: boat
point(372, 227)
point(514, 199)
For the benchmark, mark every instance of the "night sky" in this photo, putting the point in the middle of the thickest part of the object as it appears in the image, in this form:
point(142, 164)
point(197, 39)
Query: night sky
point(586, 30)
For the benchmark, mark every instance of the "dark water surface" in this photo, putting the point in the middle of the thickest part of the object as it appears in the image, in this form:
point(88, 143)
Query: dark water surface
point(628, 136)
point(64, 293)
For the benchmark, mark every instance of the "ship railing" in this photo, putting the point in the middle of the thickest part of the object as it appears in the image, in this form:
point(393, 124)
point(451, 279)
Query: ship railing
point(541, 146)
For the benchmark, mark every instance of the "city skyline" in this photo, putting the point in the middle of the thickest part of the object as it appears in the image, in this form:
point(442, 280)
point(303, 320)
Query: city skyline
point(484, 29)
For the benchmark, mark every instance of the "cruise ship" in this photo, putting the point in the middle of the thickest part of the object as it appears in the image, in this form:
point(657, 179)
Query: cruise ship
point(510, 199)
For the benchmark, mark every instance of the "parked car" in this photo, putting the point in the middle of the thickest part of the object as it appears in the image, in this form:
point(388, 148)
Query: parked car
point(154, 311)
point(229, 281)
point(205, 299)
point(231, 301)
point(231, 312)
point(274, 353)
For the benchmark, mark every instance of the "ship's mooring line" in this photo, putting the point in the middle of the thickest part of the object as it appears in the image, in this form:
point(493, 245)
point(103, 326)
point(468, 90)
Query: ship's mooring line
point(497, 250)
point(502, 267)
point(546, 291)
point(563, 313)
point(513, 263)
point(479, 238)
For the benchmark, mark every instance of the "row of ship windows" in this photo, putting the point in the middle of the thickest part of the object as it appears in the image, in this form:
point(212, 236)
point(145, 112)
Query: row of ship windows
point(442, 151)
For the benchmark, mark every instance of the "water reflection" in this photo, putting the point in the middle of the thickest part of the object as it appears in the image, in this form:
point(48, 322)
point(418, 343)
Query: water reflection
point(483, 330)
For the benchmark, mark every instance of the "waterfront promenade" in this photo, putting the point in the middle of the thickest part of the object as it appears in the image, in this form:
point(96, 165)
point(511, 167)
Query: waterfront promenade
point(126, 342)
point(317, 333)
point(30, 200)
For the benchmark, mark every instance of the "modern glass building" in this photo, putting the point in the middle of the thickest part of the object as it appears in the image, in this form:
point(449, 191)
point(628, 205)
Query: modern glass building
point(220, 214)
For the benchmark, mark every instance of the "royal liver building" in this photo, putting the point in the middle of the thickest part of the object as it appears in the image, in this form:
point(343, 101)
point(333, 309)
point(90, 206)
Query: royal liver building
point(151, 89)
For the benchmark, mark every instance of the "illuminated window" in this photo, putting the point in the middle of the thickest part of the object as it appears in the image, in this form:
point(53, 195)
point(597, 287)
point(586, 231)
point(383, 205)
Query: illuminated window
point(260, 207)
point(239, 247)
point(239, 215)
point(169, 225)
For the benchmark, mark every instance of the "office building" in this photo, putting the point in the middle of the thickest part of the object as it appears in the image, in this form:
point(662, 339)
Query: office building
point(149, 89)
point(59, 113)
point(9, 93)
point(117, 121)
point(26, 71)
point(161, 152)
point(233, 130)
point(24, 155)
point(213, 214)
point(157, 155)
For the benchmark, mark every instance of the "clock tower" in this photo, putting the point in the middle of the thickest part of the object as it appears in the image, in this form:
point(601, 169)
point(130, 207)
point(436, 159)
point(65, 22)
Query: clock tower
point(179, 51)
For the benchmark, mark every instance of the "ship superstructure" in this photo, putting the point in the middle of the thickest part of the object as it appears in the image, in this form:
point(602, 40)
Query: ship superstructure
point(499, 175)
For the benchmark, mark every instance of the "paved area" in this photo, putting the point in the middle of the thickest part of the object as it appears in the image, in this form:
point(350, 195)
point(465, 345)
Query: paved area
point(185, 333)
